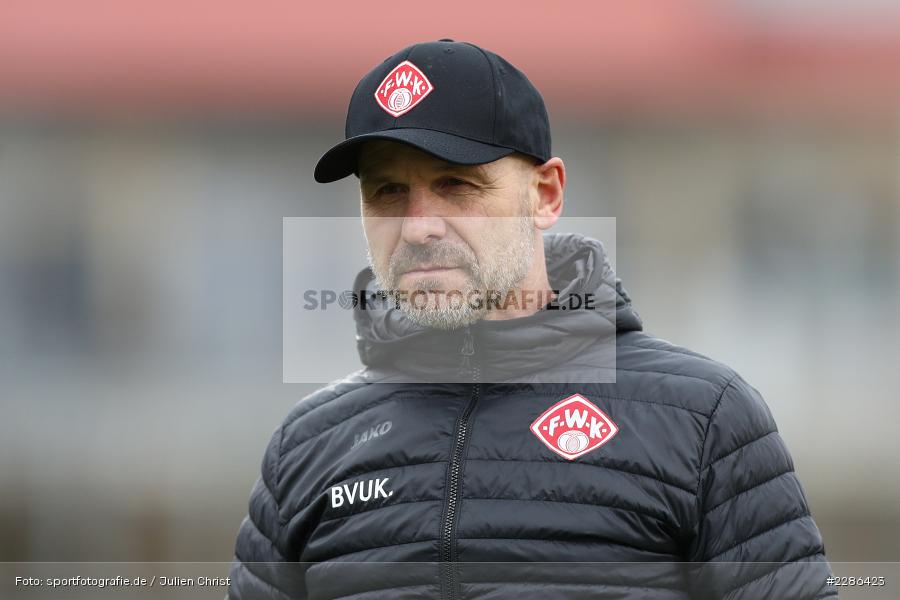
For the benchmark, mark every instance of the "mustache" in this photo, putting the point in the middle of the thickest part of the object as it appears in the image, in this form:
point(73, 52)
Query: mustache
point(443, 254)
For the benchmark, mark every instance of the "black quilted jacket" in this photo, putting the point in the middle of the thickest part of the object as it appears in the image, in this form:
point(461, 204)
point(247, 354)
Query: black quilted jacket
point(670, 483)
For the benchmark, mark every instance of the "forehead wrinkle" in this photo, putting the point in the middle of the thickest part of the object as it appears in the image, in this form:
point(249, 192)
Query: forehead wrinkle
point(471, 170)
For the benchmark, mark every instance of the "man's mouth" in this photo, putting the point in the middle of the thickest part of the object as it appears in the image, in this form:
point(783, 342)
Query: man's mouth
point(426, 270)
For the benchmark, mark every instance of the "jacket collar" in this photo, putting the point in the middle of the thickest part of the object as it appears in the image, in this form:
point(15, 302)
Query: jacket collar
point(507, 350)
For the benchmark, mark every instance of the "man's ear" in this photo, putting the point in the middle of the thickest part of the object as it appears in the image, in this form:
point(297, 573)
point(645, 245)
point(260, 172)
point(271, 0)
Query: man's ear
point(550, 180)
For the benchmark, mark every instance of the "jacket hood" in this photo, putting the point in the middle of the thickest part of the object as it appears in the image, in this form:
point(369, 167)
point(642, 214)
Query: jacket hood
point(507, 350)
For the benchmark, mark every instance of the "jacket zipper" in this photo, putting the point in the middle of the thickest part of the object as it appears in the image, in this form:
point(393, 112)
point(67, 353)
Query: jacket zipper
point(449, 583)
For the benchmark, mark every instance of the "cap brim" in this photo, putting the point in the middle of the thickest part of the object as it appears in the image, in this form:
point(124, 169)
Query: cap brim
point(340, 161)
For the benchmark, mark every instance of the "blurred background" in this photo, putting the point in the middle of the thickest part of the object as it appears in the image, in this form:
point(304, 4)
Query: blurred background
point(749, 150)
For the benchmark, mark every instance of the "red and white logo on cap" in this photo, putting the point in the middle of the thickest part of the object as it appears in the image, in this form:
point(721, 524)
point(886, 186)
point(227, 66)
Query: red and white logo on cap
point(403, 88)
point(573, 427)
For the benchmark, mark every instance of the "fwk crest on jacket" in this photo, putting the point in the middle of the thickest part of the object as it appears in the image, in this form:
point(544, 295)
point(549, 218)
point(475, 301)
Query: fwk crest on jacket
point(573, 427)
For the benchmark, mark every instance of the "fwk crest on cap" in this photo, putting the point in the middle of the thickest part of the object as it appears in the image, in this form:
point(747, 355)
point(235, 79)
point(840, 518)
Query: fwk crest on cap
point(403, 88)
point(454, 100)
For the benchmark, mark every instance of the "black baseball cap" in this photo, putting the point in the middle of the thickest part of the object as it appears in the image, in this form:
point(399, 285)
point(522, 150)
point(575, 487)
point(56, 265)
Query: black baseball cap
point(454, 100)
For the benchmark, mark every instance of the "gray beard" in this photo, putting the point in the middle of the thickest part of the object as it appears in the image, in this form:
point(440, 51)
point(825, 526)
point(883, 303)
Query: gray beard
point(507, 269)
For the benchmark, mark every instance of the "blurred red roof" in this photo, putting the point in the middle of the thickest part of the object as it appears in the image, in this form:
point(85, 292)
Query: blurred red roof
point(274, 56)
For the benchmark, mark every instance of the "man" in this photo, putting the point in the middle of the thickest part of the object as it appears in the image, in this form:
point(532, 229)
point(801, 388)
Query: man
point(511, 410)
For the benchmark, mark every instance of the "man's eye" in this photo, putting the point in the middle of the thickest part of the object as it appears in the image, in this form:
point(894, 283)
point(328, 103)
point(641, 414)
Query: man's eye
point(388, 192)
point(454, 183)
point(390, 188)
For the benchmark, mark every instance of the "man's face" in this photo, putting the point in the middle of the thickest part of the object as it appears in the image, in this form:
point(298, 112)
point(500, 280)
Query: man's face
point(441, 235)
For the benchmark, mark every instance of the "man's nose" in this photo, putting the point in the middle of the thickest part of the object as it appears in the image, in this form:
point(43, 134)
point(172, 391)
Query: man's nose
point(422, 222)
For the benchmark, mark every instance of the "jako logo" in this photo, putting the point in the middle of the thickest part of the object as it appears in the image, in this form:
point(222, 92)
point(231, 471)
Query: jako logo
point(362, 491)
point(370, 434)
point(573, 427)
